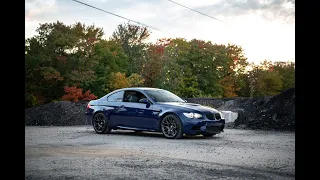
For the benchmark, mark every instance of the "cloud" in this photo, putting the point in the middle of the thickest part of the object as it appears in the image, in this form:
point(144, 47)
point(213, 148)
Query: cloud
point(268, 9)
point(97, 0)
point(260, 37)
point(37, 7)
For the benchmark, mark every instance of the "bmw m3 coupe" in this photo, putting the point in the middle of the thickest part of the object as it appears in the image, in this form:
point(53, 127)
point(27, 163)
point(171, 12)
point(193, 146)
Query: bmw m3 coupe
point(151, 109)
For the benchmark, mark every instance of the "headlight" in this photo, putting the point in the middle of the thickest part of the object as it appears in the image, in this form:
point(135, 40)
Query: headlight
point(221, 115)
point(193, 115)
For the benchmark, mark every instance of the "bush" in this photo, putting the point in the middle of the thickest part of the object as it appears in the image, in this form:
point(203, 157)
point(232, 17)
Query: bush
point(74, 94)
point(32, 100)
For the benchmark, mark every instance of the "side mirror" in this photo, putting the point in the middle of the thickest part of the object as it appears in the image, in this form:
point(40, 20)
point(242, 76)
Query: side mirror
point(144, 101)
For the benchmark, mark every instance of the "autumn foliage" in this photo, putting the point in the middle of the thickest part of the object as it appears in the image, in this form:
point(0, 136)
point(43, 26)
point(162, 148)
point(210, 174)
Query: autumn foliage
point(119, 81)
point(74, 94)
point(77, 55)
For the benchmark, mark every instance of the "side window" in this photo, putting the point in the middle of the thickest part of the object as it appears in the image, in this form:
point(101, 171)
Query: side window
point(133, 96)
point(116, 97)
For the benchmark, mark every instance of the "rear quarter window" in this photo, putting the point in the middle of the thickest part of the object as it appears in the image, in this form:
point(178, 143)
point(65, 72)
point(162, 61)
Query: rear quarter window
point(115, 97)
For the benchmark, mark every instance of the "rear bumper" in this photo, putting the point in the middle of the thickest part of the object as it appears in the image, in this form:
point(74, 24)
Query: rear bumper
point(203, 127)
point(88, 118)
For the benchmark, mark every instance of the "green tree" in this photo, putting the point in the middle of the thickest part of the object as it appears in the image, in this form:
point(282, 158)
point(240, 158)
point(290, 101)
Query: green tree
point(59, 55)
point(136, 80)
point(152, 67)
point(207, 63)
point(132, 39)
point(189, 86)
point(110, 58)
point(268, 83)
point(173, 69)
point(237, 68)
point(287, 73)
point(264, 80)
point(243, 81)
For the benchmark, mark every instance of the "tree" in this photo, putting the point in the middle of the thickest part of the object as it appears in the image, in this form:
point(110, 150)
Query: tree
point(264, 80)
point(135, 80)
point(189, 86)
point(174, 52)
point(207, 62)
point(110, 59)
point(243, 82)
point(132, 39)
point(152, 66)
point(76, 56)
point(287, 73)
point(229, 86)
point(268, 83)
point(59, 55)
point(74, 94)
point(118, 81)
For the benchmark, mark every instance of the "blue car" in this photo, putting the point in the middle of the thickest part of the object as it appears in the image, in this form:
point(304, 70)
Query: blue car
point(151, 109)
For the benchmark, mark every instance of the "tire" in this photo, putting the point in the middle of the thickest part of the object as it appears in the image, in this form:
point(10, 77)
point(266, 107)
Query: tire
point(100, 124)
point(208, 135)
point(171, 127)
point(137, 131)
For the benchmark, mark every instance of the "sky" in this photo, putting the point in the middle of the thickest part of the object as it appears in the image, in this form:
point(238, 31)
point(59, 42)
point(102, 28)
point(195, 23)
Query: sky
point(265, 29)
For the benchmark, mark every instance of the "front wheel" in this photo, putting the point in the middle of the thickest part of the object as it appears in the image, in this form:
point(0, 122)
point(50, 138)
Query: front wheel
point(171, 127)
point(100, 124)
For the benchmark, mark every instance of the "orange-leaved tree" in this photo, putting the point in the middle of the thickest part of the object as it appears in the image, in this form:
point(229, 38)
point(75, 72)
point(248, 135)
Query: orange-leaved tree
point(74, 94)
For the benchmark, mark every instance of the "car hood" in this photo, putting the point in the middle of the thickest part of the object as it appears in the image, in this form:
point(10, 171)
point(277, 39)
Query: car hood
point(196, 107)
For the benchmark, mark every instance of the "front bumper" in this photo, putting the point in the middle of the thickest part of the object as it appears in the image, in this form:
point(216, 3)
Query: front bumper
point(193, 127)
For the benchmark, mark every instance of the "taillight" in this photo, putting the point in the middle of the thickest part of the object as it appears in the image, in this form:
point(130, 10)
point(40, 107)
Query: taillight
point(88, 106)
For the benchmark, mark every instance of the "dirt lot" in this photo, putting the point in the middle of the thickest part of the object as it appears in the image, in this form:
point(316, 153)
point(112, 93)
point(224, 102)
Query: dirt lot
point(77, 152)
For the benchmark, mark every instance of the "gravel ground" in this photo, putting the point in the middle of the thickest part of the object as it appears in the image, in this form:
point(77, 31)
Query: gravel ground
point(77, 152)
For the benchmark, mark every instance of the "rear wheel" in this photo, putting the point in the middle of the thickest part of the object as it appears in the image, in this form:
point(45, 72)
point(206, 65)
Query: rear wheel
point(171, 127)
point(100, 124)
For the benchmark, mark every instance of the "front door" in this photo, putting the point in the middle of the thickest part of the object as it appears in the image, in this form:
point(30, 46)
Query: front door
point(136, 114)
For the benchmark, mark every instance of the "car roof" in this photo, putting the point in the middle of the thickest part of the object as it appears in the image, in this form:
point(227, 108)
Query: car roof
point(131, 88)
point(139, 88)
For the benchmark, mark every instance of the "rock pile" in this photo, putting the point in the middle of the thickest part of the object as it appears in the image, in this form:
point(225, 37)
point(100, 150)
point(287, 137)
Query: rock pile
point(273, 112)
point(63, 113)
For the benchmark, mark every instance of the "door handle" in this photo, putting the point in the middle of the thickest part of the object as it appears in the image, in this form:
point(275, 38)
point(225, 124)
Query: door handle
point(140, 112)
point(121, 107)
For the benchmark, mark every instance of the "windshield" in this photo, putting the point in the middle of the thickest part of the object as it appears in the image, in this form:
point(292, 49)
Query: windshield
point(163, 96)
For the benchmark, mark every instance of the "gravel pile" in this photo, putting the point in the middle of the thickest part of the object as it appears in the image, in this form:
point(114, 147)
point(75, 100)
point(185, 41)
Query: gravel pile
point(267, 113)
point(277, 112)
point(63, 113)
